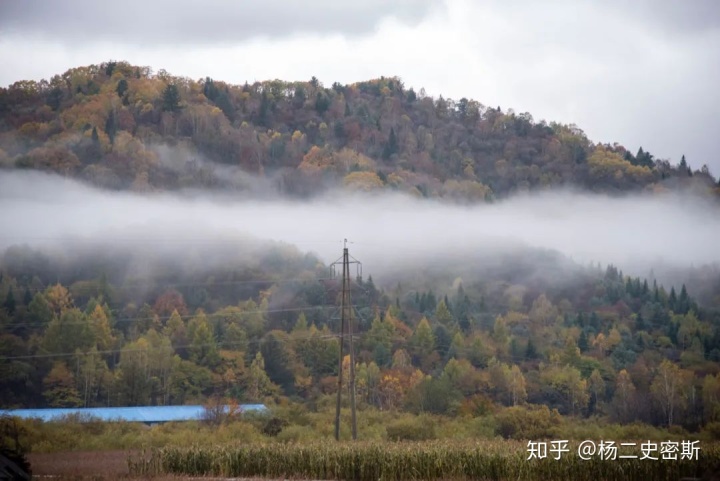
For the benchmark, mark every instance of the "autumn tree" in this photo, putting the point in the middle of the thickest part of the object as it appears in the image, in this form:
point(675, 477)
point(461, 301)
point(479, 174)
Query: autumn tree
point(422, 342)
point(444, 316)
point(566, 387)
point(203, 346)
point(94, 378)
point(380, 340)
point(279, 360)
point(257, 383)
point(711, 397)
point(132, 379)
point(670, 389)
point(68, 332)
point(60, 390)
point(171, 300)
point(516, 385)
point(596, 388)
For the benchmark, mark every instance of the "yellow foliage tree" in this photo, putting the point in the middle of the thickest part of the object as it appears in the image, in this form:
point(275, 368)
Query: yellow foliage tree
point(606, 165)
point(364, 181)
point(317, 160)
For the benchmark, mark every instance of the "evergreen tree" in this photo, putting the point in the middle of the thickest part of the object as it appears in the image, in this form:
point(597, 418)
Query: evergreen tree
point(110, 68)
point(457, 347)
point(111, 126)
point(54, 98)
point(531, 350)
point(278, 360)
point(431, 302)
point(391, 147)
point(171, 98)
point(443, 315)
point(299, 96)
point(683, 163)
point(27, 297)
point(443, 339)
point(422, 341)
point(322, 103)
point(382, 355)
point(122, 87)
point(672, 300)
point(263, 113)
point(515, 350)
point(339, 130)
point(210, 90)
point(9, 303)
point(582, 343)
point(683, 302)
point(640, 322)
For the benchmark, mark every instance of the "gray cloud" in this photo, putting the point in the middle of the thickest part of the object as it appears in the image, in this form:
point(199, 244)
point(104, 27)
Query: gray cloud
point(672, 16)
point(172, 22)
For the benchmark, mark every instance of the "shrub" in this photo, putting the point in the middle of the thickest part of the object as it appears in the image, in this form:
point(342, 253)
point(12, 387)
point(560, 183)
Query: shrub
point(274, 426)
point(528, 423)
point(411, 429)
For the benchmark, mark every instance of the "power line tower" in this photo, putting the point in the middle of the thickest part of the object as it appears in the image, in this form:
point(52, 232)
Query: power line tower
point(346, 324)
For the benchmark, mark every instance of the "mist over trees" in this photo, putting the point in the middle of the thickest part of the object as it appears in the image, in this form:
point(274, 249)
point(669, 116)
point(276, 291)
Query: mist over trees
point(91, 328)
point(182, 312)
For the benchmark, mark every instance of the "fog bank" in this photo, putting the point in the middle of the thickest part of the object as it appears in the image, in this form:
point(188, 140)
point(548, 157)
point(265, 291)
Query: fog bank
point(386, 231)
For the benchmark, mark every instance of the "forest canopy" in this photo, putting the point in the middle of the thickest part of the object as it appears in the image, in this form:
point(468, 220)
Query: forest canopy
point(183, 315)
point(120, 126)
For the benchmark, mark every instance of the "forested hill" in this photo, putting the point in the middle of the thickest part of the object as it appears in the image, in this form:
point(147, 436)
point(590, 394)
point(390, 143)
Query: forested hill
point(522, 339)
point(119, 126)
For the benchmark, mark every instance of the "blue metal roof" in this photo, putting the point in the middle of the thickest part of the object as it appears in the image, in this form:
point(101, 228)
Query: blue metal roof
point(145, 414)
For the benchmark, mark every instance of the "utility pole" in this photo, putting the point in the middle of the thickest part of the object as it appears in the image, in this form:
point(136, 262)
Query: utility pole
point(346, 310)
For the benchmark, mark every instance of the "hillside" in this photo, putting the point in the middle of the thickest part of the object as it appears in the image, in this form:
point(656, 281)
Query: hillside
point(121, 299)
point(120, 126)
point(93, 325)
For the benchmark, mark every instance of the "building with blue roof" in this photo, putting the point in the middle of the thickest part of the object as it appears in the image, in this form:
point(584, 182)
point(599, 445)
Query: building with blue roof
point(142, 414)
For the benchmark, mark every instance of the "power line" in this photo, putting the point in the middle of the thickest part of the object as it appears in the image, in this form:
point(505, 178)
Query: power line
point(174, 348)
point(164, 318)
point(159, 283)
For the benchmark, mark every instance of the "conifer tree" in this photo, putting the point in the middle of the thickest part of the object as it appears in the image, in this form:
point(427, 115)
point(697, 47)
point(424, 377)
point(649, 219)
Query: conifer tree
point(171, 98)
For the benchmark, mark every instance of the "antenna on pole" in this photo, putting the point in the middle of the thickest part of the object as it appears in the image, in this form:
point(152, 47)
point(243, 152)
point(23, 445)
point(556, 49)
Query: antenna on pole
point(346, 311)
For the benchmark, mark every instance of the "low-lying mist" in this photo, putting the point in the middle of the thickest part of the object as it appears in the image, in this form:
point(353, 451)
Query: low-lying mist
point(387, 232)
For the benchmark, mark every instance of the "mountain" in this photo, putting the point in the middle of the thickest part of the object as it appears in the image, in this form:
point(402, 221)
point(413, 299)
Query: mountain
point(145, 287)
point(120, 126)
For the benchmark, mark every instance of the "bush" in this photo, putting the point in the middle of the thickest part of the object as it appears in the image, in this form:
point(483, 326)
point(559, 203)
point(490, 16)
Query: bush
point(420, 428)
point(297, 434)
point(712, 430)
point(274, 426)
point(528, 423)
point(13, 442)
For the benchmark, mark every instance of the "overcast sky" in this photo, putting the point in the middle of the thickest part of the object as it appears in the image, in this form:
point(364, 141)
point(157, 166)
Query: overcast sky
point(641, 73)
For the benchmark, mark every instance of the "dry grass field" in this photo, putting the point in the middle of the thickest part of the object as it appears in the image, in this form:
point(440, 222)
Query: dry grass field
point(92, 466)
point(81, 465)
point(364, 461)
